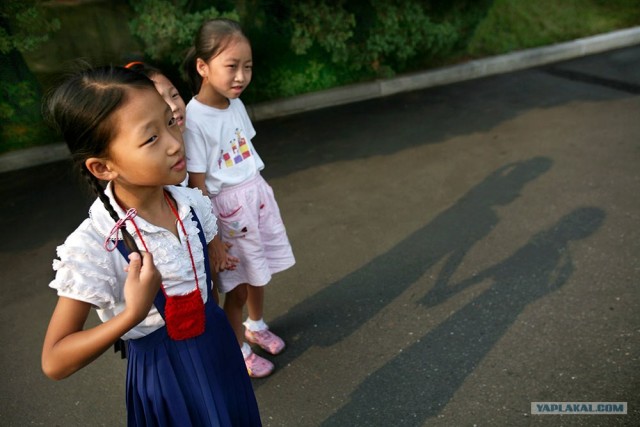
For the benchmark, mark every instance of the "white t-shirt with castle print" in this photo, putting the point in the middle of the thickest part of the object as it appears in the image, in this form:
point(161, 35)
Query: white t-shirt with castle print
point(218, 143)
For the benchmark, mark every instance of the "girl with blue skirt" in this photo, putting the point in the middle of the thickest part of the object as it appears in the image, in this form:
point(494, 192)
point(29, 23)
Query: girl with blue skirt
point(141, 260)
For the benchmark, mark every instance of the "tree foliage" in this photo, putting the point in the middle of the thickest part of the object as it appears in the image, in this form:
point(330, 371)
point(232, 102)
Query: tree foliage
point(24, 25)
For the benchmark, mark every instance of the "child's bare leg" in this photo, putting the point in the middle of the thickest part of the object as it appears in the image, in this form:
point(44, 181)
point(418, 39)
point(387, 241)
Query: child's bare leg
point(255, 302)
point(234, 302)
point(257, 330)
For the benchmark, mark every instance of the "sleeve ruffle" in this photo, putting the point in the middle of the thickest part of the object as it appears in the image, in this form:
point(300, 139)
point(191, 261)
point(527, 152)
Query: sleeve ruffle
point(85, 271)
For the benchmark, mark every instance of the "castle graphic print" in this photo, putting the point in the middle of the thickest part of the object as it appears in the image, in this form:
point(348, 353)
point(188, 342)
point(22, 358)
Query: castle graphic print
point(237, 151)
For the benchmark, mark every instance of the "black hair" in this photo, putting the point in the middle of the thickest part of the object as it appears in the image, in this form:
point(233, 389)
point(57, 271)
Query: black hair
point(212, 38)
point(81, 110)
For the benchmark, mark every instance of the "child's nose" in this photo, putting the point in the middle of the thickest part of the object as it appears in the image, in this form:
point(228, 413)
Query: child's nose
point(175, 144)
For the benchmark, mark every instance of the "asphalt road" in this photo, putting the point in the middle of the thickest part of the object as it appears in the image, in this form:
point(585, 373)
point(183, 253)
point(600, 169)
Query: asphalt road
point(462, 252)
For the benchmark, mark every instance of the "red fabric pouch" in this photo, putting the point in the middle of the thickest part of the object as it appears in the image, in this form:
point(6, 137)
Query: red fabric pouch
point(184, 315)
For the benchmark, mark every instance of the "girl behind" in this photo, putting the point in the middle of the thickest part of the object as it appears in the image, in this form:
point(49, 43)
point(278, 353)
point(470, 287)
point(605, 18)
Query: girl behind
point(223, 163)
point(120, 131)
point(165, 88)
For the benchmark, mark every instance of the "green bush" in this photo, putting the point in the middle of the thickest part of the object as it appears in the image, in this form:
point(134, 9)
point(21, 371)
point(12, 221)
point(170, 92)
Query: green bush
point(23, 27)
point(295, 78)
point(330, 28)
point(166, 30)
point(313, 44)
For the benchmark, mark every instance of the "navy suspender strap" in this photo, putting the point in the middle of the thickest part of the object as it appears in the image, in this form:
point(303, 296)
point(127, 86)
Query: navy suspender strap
point(207, 267)
point(160, 301)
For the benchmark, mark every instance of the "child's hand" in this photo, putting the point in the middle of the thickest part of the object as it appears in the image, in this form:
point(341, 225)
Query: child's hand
point(231, 260)
point(69, 347)
point(220, 259)
point(142, 285)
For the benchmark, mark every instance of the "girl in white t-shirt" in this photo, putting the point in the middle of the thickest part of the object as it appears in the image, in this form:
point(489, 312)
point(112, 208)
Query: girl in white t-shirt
point(223, 163)
point(183, 367)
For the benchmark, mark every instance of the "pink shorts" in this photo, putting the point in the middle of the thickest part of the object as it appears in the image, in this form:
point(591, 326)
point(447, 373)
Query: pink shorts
point(249, 219)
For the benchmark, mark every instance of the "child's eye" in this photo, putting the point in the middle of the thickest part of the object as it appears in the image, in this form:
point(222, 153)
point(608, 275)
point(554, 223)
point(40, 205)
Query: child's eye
point(152, 139)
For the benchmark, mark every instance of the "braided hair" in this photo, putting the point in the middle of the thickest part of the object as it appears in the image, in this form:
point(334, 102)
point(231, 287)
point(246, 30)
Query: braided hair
point(81, 110)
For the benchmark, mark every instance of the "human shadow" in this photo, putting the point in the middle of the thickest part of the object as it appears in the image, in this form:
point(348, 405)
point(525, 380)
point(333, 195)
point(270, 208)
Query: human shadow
point(419, 382)
point(341, 308)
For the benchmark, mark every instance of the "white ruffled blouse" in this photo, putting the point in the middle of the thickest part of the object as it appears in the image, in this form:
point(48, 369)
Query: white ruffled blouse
point(86, 271)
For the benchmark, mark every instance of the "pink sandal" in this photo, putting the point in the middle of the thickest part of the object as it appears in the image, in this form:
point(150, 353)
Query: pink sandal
point(266, 339)
point(258, 367)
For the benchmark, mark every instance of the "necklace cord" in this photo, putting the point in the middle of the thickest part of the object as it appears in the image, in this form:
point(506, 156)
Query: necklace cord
point(186, 237)
point(130, 215)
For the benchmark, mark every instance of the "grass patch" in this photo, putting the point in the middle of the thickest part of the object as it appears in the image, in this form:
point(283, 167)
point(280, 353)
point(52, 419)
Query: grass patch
point(521, 24)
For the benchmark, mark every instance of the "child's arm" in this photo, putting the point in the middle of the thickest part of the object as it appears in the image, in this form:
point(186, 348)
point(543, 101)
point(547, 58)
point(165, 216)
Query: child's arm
point(218, 256)
point(196, 180)
point(68, 347)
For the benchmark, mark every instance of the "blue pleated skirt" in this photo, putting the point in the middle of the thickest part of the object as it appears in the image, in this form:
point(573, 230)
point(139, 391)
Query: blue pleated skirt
point(200, 381)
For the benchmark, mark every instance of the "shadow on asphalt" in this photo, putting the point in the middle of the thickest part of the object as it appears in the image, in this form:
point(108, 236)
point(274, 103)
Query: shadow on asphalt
point(342, 307)
point(439, 362)
point(435, 366)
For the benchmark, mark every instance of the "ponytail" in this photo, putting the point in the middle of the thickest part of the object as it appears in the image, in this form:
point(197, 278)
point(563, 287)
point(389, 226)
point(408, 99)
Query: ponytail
point(194, 79)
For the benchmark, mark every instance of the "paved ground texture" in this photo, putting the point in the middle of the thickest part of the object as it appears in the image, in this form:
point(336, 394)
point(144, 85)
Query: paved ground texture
point(462, 251)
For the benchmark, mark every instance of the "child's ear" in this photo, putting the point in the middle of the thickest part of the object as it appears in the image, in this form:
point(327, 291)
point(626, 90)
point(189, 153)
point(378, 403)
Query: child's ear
point(100, 168)
point(202, 67)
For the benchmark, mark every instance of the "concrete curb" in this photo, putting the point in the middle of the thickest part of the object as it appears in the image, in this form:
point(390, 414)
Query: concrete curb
point(359, 92)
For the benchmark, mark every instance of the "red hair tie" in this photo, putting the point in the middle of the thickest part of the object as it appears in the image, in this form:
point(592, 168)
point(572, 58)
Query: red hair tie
point(132, 63)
